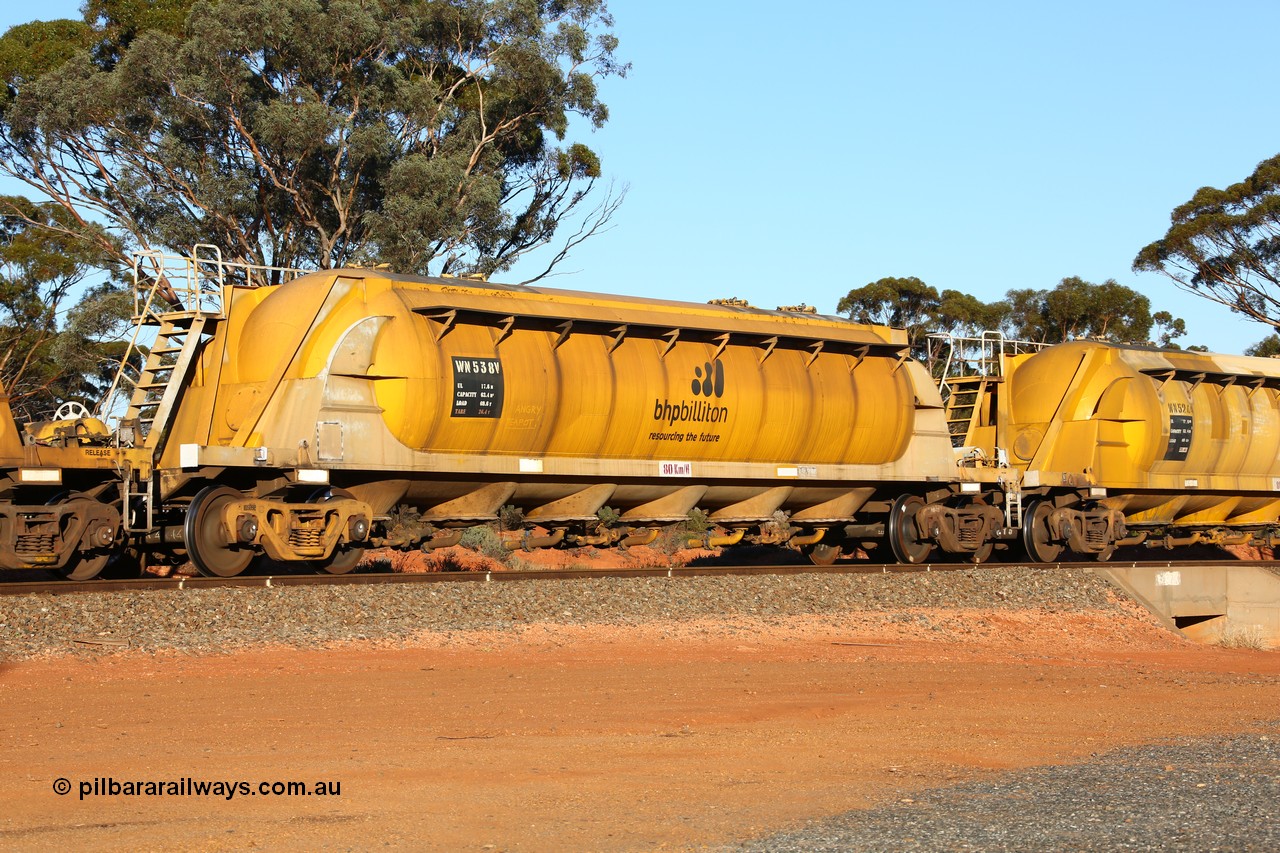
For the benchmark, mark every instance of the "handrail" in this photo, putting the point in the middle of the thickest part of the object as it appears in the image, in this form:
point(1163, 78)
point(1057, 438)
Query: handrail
point(984, 355)
point(189, 284)
point(103, 408)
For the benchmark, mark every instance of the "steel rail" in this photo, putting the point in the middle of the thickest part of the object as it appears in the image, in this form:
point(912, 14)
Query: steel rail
point(248, 581)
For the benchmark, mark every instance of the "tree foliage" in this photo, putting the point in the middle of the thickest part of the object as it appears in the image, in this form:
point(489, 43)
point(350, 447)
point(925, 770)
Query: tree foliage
point(903, 303)
point(1075, 308)
point(49, 352)
point(1224, 245)
point(427, 134)
point(1268, 347)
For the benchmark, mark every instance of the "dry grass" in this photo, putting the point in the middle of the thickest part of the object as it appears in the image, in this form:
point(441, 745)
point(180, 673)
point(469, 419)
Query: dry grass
point(1243, 637)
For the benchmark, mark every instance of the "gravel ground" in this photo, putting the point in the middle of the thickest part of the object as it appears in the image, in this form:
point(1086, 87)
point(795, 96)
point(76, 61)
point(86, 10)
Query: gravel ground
point(1220, 793)
point(221, 619)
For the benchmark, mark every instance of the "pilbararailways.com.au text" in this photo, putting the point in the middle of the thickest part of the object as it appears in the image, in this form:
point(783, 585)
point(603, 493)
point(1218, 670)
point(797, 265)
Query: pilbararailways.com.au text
point(107, 786)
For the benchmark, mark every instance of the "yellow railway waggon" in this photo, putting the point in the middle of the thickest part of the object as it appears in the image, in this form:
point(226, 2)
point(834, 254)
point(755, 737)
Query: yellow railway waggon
point(351, 408)
point(307, 418)
point(1107, 445)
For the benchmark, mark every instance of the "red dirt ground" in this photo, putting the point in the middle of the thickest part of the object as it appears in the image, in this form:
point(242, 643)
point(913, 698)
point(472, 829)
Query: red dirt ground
point(590, 738)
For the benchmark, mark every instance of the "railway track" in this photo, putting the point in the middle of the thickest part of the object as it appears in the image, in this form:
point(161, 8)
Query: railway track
point(101, 585)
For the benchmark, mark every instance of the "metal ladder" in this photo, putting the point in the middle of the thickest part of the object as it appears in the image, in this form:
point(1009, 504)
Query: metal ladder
point(170, 358)
point(968, 372)
point(180, 297)
point(169, 294)
point(188, 307)
point(964, 404)
point(155, 395)
point(1013, 505)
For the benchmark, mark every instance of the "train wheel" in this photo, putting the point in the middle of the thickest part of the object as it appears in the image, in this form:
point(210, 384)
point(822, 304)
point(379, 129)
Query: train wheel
point(342, 560)
point(982, 554)
point(204, 537)
point(907, 547)
point(81, 566)
point(1036, 537)
point(824, 555)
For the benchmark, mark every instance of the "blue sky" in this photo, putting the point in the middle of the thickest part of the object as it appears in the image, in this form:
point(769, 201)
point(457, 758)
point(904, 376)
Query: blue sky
point(791, 152)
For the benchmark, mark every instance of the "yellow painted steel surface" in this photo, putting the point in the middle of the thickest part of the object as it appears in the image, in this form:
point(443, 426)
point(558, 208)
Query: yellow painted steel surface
point(58, 444)
point(1134, 419)
point(471, 370)
point(10, 436)
point(581, 399)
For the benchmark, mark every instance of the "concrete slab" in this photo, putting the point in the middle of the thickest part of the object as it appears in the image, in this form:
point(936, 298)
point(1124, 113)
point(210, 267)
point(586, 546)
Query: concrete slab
point(1228, 605)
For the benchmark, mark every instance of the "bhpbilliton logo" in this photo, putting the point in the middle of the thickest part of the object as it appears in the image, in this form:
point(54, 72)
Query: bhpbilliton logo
point(709, 379)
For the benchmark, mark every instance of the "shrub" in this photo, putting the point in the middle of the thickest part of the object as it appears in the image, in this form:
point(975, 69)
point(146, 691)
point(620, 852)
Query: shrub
point(699, 521)
point(511, 517)
point(487, 541)
point(672, 539)
point(1243, 637)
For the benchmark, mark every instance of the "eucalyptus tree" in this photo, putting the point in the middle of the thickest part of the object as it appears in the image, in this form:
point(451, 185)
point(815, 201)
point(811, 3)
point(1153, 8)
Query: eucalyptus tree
point(1268, 347)
point(1224, 245)
point(1075, 308)
point(901, 302)
point(432, 135)
point(57, 325)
